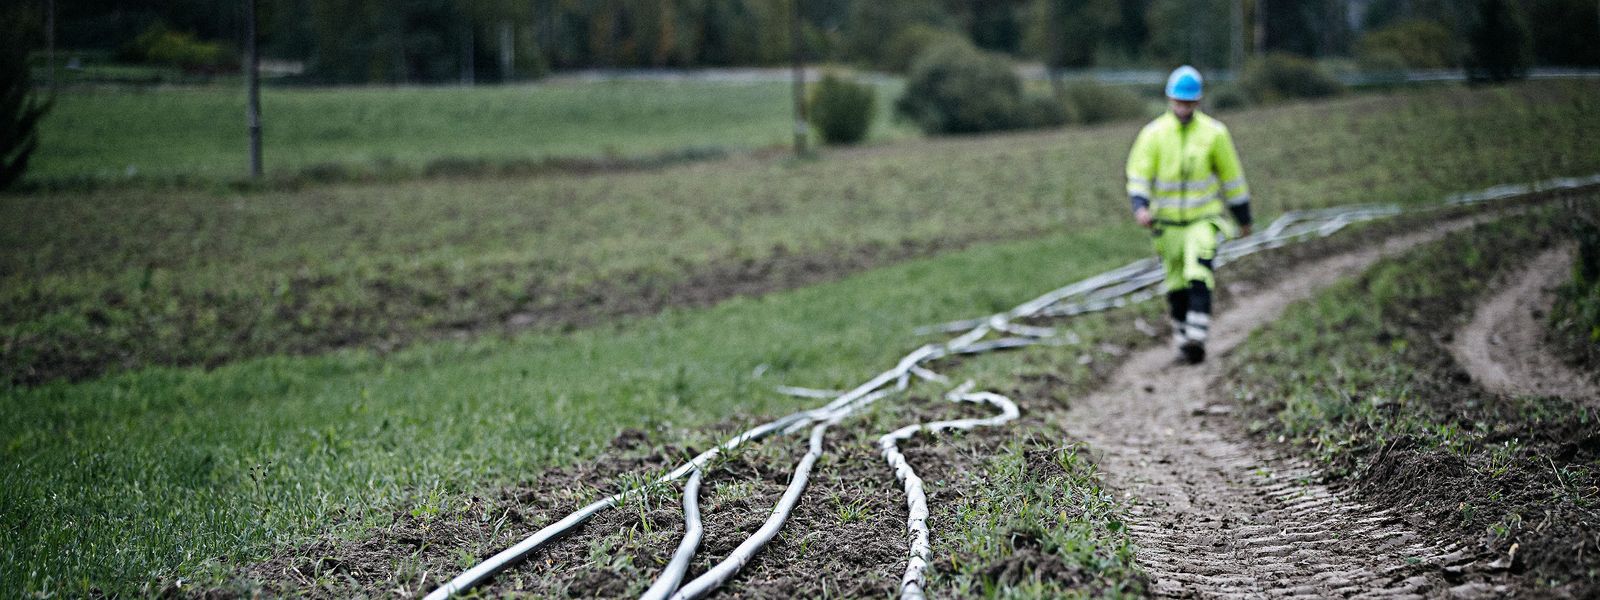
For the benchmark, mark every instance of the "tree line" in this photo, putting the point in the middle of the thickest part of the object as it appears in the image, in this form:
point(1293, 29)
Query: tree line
point(411, 41)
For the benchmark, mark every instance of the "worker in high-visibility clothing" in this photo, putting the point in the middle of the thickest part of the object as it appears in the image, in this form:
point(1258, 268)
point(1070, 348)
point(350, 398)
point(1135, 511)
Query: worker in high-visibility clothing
point(1182, 172)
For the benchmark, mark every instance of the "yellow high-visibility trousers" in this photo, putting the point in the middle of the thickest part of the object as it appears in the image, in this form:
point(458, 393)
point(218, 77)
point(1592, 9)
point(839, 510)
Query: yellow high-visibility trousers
point(1187, 251)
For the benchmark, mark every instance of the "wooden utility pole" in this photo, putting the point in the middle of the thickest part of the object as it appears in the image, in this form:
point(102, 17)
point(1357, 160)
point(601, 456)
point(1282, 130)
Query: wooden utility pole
point(252, 70)
point(795, 45)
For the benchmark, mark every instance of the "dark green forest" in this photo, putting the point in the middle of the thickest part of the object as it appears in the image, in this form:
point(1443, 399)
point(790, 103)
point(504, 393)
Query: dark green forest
point(415, 41)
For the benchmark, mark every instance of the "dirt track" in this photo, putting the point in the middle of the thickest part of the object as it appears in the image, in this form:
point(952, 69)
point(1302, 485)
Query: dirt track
point(1218, 516)
point(1502, 346)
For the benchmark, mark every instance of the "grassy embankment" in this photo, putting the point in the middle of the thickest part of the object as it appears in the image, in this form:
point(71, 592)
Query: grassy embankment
point(99, 136)
point(1361, 379)
point(120, 279)
point(161, 473)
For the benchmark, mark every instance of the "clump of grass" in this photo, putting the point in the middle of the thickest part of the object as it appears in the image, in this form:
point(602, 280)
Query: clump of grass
point(1036, 503)
point(850, 511)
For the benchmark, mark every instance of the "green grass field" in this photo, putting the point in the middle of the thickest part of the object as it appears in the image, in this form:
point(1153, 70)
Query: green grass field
point(163, 473)
point(198, 134)
point(113, 279)
point(151, 473)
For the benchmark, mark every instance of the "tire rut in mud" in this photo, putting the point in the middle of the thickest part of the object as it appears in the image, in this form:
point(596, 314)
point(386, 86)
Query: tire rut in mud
point(1218, 516)
point(1502, 347)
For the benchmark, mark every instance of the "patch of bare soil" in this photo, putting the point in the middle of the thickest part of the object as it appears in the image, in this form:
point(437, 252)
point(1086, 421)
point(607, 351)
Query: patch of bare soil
point(1220, 516)
point(1503, 347)
point(419, 549)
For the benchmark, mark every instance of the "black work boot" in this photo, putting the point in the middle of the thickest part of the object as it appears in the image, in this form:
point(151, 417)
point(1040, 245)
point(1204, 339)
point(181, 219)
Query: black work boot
point(1196, 323)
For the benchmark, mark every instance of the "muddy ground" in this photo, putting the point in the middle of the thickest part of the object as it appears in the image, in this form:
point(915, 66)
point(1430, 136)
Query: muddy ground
point(1219, 515)
point(1503, 347)
point(1217, 510)
point(1528, 514)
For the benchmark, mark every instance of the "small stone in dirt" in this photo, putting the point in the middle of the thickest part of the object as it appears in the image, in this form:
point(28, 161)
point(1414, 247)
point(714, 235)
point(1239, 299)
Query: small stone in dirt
point(1111, 349)
point(629, 438)
point(1478, 589)
point(1201, 410)
point(1084, 359)
point(1145, 328)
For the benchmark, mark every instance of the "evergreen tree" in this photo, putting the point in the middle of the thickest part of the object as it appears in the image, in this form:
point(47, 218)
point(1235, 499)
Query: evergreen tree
point(20, 108)
point(1564, 32)
point(872, 24)
point(1499, 45)
point(1068, 33)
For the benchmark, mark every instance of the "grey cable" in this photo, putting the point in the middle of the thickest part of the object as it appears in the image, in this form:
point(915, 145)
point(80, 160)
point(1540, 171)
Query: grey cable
point(1128, 284)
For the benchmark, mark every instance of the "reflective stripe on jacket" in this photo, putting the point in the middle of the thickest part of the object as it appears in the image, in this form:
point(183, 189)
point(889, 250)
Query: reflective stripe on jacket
point(1186, 172)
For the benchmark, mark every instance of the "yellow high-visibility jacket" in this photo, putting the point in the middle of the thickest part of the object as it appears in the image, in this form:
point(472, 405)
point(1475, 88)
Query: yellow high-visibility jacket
point(1186, 173)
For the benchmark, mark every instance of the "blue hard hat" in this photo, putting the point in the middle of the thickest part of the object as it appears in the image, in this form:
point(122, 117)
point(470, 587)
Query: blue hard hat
point(1184, 84)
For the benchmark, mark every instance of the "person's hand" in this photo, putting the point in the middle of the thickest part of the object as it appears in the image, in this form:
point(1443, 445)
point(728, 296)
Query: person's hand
point(1244, 231)
point(1143, 217)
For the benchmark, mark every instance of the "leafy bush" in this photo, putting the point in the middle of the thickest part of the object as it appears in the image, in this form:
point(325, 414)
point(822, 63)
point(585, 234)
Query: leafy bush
point(842, 110)
point(903, 49)
point(1499, 45)
point(869, 28)
point(1043, 110)
point(1226, 96)
point(1411, 44)
point(160, 44)
point(957, 88)
point(1094, 103)
point(1279, 77)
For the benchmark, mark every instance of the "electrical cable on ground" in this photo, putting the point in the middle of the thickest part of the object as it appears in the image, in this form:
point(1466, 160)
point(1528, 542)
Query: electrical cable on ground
point(916, 500)
point(1131, 283)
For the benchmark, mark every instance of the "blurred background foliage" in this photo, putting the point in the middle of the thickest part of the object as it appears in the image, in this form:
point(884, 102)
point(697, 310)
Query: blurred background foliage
point(962, 66)
point(421, 41)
